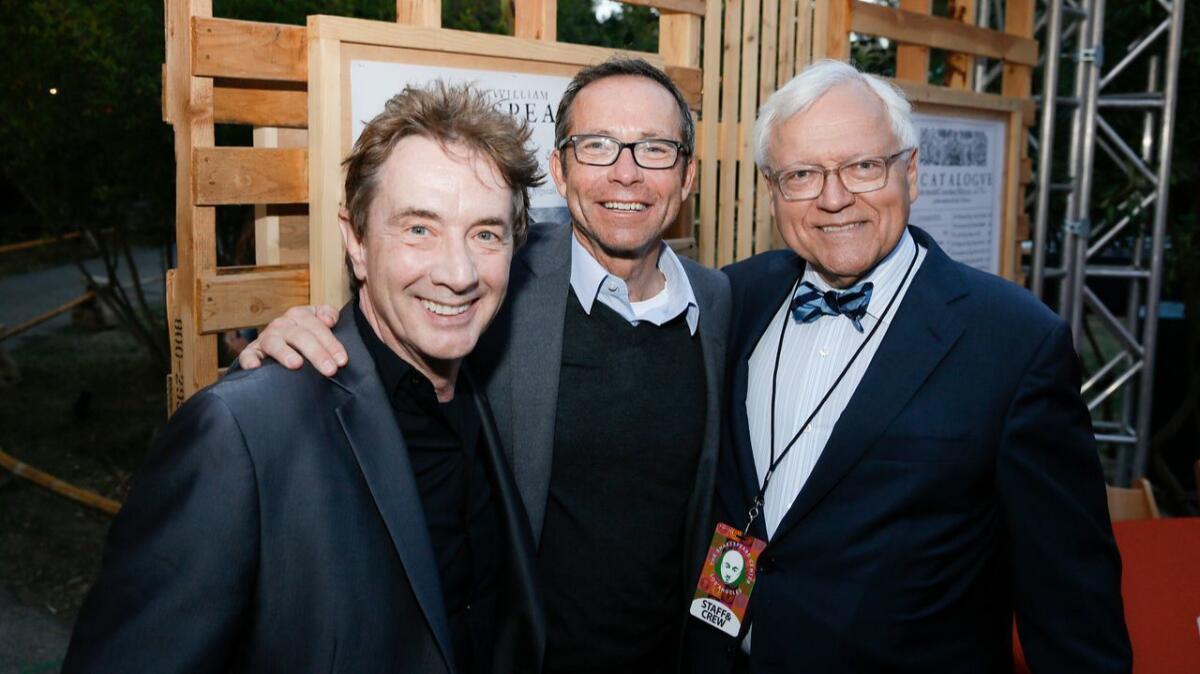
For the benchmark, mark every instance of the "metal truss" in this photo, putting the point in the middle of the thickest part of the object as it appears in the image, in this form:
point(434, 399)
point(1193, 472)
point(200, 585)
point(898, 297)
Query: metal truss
point(1076, 246)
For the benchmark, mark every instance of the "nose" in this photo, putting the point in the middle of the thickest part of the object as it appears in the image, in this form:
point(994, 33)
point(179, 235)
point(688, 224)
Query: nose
point(834, 195)
point(455, 267)
point(625, 170)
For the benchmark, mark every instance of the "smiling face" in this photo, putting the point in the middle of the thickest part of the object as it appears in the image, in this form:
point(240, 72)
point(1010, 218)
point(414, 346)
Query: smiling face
point(842, 235)
point(433, 264)
point(622, 210)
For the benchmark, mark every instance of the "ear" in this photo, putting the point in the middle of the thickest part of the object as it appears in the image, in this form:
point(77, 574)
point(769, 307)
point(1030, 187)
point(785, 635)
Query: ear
point(355, 248)
point(911, 174)
point(558, 172)
point(689, 176)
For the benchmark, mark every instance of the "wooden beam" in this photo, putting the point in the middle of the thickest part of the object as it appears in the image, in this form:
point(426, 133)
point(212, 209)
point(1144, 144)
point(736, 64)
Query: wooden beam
point(235, 298)
point(960, 68)
point(751, 32)
point(706, 235)
point(1017, 78)
point(929, 93)
point(831, 29)
point(767, 84)
point(941, 33)
point(328, 281)
point(731, 46)
point(425, 13)
point(690, 82)
point(261, 103)
point(248, 50)
point(250, 175)
point(189, 101)
point(281, 230)
point(693, 7)
point(536, 19)
point(912, 60)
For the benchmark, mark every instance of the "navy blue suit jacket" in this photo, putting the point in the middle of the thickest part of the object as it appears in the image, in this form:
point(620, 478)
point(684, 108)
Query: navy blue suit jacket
point(960, 485)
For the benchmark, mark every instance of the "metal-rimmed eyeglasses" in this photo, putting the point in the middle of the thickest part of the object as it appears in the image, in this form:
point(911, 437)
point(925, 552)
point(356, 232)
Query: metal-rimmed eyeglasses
point(648, 153)
point(802, 182)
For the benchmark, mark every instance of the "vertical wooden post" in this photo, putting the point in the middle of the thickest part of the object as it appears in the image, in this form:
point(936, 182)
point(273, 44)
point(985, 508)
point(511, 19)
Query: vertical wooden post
point(276, 231)
point(328, 279)
point(960, 68)
point(679, 39)
point(710, 125)
point(730, 131)
point(751, 36)
point(912, 60)
point(774, 31)
point(831, 29)
point(1017, 82)
point(424, 13)
point(536, 19)
point(188, 103)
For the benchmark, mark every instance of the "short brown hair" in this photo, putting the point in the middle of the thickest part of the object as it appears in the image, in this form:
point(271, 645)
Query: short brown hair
point(449, 114)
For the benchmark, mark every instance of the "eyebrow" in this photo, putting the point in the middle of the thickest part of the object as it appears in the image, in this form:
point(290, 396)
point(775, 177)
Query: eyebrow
point(413, 213)
point(611, 134)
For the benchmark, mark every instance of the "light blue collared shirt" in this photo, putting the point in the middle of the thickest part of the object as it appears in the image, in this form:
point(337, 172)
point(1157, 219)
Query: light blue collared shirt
point(592, 282)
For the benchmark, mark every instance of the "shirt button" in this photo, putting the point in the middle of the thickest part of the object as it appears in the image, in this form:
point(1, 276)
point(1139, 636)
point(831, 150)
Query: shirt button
point(612, 287)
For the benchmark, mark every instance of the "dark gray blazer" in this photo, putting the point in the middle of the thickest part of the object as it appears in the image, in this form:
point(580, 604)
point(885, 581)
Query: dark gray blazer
point(277, 527)
point(519, 359)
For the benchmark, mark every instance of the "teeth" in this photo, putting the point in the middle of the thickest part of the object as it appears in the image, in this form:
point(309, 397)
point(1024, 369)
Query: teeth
point(840, 228)
point(445, 309)
point(624, 206)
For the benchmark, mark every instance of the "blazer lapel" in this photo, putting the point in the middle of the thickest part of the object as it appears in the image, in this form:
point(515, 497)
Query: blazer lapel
point(370, 426)
point(535, 360)
point(922, 333)
point(763, 298)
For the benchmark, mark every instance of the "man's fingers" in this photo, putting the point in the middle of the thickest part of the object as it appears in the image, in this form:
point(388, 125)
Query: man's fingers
point(327, 314)
point(312, 323)
point(274, 345)
point(250, 357)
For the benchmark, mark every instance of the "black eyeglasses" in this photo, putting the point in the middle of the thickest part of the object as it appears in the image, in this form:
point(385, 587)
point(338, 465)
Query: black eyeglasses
point(799, 183)
point(649, 153)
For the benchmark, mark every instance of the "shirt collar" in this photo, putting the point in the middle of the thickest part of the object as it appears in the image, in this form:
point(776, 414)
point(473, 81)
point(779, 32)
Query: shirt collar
point(589, 277)
point(885, 277)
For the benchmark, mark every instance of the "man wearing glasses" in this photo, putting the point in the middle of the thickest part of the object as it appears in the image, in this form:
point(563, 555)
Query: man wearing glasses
point(904, 432)
point(605, 373)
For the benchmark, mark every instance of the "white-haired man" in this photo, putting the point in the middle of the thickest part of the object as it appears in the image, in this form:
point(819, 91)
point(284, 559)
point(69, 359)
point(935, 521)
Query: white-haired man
point(904, 432)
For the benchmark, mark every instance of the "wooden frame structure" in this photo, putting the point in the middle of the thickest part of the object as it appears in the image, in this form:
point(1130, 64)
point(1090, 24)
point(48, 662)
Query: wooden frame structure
point(221, 71)
point(760, 44)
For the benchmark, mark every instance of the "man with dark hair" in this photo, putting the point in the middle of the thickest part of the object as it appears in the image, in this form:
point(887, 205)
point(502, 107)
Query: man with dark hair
point(605, 372)
point(368, 521)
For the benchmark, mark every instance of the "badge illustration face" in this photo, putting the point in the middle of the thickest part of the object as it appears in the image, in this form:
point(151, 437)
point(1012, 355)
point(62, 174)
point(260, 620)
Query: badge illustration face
point(732, 567)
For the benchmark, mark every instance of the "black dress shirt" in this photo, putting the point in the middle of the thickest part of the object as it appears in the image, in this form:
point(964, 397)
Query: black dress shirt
point(456, 494)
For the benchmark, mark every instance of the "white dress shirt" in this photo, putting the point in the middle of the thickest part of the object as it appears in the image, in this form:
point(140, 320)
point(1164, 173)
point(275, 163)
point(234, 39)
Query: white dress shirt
point(813, 356)
point(592, 282)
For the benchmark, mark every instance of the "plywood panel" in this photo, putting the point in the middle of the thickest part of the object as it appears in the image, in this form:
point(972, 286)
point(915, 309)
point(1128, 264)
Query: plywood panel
point(247, 175)
point(240, 298)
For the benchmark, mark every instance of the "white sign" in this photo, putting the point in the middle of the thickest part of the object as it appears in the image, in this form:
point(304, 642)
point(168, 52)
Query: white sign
point(533, 98)
point(961, 181)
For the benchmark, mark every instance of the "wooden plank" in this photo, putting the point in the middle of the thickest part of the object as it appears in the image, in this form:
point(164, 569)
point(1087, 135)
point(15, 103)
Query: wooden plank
point(536, 19)
point(929, 93)
point(427, 13)
point(260, 103)
point(193, 356)
point(751, 41)
point(707, 150)
point(1017, 79)
point(731, 47)
point(912, 60)
point(248, 50)
point(690, 82)
point(960, 67)
point(248, 175)
point(235, 298)
point(328, 281)
point(940, 33)
point(1013, 191)
point(772, 31)
point(459, 41)
point(785, 65)
point(281, 230)
point(834, 25)
point(693, 7)
point(679, 38)
point(805, 35)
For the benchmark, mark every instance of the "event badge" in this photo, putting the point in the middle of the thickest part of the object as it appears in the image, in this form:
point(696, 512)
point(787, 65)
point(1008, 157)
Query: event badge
point(727, 578)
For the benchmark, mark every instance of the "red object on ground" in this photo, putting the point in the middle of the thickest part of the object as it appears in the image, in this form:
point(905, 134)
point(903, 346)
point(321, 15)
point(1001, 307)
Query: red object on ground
point(1160, 583)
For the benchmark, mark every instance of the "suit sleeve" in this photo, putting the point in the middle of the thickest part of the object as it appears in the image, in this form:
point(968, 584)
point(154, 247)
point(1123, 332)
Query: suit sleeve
point(180, 560)
point(1066, 569)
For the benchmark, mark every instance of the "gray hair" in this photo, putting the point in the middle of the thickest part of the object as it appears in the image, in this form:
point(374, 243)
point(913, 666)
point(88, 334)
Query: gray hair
point(812, 83)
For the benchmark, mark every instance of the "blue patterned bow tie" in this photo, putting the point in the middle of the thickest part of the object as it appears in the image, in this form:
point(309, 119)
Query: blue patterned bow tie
point(809, 304)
